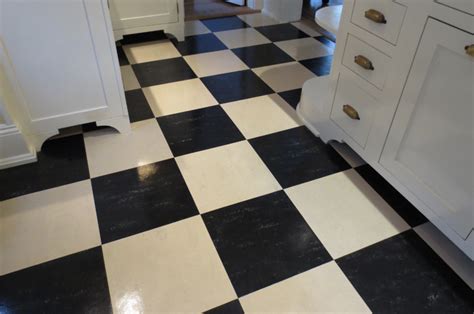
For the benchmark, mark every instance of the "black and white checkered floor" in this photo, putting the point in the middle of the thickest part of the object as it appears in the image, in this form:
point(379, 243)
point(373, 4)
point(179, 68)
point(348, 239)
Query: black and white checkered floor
point(219, 199)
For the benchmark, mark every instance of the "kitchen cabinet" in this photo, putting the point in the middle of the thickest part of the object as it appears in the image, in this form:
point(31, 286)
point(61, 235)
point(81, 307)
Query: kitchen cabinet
point(138, 16)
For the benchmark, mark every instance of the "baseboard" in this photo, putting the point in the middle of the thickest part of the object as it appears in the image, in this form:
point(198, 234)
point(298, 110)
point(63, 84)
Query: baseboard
point(17, 160)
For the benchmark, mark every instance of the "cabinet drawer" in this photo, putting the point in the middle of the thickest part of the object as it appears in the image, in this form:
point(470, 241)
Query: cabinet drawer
point(366, 61)
point(388, 27)
point(349, 93)
point(461, 5)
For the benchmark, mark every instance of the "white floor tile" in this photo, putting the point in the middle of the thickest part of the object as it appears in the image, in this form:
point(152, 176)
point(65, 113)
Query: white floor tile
point(257, 19)
point(195, 28)
point(241, 38)
point(170, 269)
point(345, 212)
point(262, 115)
point(46, 225)
point(129, 79)
point(284, 76)
point(307, 26)
point(151, 51)
point(212, 63)
point(304, 48)
point(109, 151)
point(178, 97)
point(348, 154)
point(450, 253)
point(226, 175)
point(323, 289)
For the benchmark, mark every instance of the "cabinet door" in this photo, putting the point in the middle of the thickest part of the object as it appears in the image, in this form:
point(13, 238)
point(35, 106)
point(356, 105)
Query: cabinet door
point(430, 147)
point(140, 13)
point(62, 55)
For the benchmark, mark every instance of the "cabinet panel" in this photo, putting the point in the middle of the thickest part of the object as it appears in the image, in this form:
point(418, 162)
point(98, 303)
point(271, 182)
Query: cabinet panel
point(140, 13)
point(461, 5)
point(430, 147)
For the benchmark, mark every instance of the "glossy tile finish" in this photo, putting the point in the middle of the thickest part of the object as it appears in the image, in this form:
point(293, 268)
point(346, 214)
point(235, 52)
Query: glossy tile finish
point(277, 76)
point(39, 227)
point(324, 289)
point(304, 48)
point(151, 51)
point(232, 307)
point(258, 19)
point(224, 23)
point(200, 129)
point(262, 55)
point(137, 105)
point(178, 97)
point(61, 161)
point(129, 79)
point(73, 284)
point(320, 66)
point(326, 41)
point(236, 86)
point(295, 156)
point(212, 63)
point(144, 145)
point(345, 213)
point(242, 234)
point(262, 115)
point(195, 28)
point(225, 175)
point(400, 204)
point(141, 199)
point(281, 32)
point(171, 269)
point(161, 72)
point(383, 283)
point(241, 38)
point(348, 154)
point(292, 97)
point(308, 26)
point(199, 44)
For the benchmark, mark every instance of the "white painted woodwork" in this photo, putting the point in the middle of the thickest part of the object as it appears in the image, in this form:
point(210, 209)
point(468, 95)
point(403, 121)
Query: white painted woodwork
point(137, 16)
point(421, 104)
point(394, 14)
point(63, 64)
point(430, 147)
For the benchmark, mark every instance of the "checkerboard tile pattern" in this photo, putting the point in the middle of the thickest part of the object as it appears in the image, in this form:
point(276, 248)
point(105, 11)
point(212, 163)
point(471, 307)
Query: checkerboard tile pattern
point(219, 200)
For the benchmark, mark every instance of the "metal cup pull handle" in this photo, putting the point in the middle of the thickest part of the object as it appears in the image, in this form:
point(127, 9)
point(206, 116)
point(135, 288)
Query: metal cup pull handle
point(364, 62)
point(375, 16)
point(351, 112)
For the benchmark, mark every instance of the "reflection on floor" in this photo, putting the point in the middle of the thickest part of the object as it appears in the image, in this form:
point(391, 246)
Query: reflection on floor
point(203, 9)
point(219, 199)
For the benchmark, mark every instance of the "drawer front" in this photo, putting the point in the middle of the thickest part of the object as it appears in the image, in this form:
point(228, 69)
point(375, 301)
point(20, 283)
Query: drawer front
point(387, 10)
point(366, 61)
point(466, 6)
point(349, 93)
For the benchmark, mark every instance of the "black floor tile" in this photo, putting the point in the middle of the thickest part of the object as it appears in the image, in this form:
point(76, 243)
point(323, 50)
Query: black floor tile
point(199, 44)
point(233, 307)
point(143, 37)
point(263, 241)
point(61, 161)
point(162, 71)
point(326, 41)
point(236, 86)
point(262, 55)
point(401, 205)
point(137, 105)
point(122, 57)
point(76, 283)
point(292, 97)
point(140, 199)
point(320, 66)
point(295, 156)
point(403, 275)
point(199, 129)
point(224, 23)
point(281, 32)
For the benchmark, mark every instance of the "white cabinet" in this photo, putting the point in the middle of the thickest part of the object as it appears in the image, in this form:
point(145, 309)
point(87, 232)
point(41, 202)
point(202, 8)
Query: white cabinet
point(137, 16)
point(60, 57)
point(430, 147)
